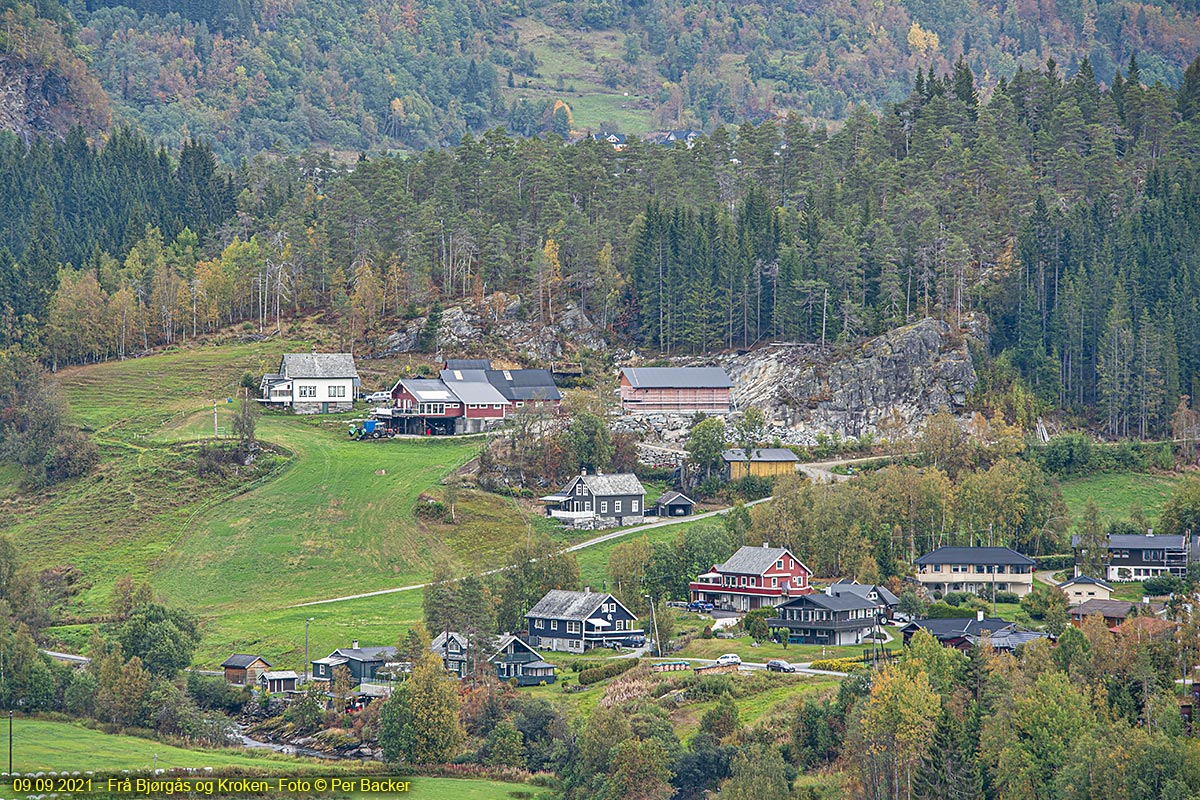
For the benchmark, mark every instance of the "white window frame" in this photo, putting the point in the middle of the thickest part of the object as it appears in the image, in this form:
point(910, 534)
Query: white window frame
point(553, 624)
point(633, 505)
point(537, 623)
point(603, 506)
point(616, 506)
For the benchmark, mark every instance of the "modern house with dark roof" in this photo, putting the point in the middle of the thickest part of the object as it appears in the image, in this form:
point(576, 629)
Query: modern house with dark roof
point(1114, 611)
point(764, 462)
point(818, 618)
point(976, 570)
point(674, 504)
point(243, 670)
point(1082, 588)
point(483, 404)
point(578, 621)
point(1135, 557)
point(617, 140)
point(675, 390)
point(534, 388)
point(516, 660)
point(361, 662)
point(753, 577)
point(966, 632)
point(312, 383)
point(884, 601)
point(598, 501)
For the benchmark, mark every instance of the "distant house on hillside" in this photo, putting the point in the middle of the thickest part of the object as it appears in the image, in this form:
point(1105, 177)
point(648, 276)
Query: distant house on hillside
point(976, 570)
point(617, 140)
point(243, 670)
point(753, 577)
point(966, 632)
point(578, 621)
point(361, 662)
point(598, 501)
point(1134, 557)
point(674, 504)
point(312, 383)
point(1082, 588)
point(764, 462)
point(516, 660)
point(452, 647)
point(1114, 612)
point(675, 390)
point(825, 619)
point(884, 600)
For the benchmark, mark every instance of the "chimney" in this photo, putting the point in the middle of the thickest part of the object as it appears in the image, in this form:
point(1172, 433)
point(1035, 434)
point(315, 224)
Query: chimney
point(979, 616)
point(1149, 531)
point(354, 644)
point(587, 590)
point(1145, 600)
point(766, 544)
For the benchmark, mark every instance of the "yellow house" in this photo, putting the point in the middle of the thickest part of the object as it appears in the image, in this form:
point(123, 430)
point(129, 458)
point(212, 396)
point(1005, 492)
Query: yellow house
point(764, 462)
point(1082, 588)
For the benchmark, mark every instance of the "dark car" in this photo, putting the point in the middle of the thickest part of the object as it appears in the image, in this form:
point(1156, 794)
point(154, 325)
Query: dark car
point(637, 640)
point(779, 665)
point(700, 605)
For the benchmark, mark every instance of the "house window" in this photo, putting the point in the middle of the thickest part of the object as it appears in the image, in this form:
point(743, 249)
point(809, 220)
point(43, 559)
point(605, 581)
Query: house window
point(774, 583)
point(579, 488)
point(779, 564)
point(574, 627)
point(553, 624)
point(633, 505)
point(603, 506)
point(616, 506)
point(308, 391)
point(754, 581)
point(337, 391)
point(537, 623)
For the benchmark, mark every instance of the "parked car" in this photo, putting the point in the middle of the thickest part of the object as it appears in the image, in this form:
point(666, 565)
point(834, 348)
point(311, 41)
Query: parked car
point(379, 397)
point(676, 604)
point(701, 606)
point(637, 640)
point(779, 665)
point(729, 658)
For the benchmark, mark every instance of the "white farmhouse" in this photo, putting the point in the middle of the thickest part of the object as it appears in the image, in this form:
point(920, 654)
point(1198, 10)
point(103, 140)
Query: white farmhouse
point(312, 383)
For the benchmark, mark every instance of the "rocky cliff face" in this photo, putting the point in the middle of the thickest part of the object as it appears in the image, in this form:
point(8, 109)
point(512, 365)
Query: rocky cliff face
point(45, 88)
point(904, 375)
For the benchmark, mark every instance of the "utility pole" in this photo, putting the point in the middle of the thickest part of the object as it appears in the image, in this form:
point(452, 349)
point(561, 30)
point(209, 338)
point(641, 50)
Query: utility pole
point(214, 419)
point(654, 626)
point(824, 305)
point(10, 716)
point(310, 619)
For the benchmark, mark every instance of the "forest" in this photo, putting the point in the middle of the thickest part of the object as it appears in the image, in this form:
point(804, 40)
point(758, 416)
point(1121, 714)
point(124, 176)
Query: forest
point(1058, 223)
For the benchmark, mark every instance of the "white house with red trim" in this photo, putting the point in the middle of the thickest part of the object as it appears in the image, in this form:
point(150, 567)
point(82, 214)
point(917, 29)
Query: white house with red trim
point(753, 577)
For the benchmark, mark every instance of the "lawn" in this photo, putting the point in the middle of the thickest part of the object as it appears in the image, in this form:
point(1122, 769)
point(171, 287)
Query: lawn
point(1117, 494)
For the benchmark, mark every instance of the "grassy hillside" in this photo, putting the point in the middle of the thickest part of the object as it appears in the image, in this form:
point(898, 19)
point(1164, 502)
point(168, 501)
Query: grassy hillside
point(1117, 494)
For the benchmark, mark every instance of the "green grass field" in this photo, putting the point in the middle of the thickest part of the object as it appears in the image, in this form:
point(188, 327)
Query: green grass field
point(1117, 494)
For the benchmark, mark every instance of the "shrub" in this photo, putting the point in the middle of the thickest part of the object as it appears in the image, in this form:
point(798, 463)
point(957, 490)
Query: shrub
point(1164, 584)
point(839, 664)
point(610, 669)
point(955, 599)
point(707, 633)
point(1007, 597)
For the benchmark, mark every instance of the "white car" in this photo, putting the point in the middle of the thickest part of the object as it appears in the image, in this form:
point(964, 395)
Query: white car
point(729, 658)
point(376, 398)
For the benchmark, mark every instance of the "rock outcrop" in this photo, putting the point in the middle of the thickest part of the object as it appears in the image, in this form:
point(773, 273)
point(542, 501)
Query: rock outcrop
point(901, 377)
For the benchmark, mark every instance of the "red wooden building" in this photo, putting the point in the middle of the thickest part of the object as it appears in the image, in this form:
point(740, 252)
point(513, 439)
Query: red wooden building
point(682, 390)
point(753, 577)
point(425, 406)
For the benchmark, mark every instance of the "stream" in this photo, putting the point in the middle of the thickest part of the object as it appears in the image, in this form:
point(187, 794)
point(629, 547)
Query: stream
point(286, 749)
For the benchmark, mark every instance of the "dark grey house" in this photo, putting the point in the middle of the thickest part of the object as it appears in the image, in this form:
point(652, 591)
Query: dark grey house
point(452, 648)
point(598, 501)
point(824, 619)
point(578, 621)
point(885, 602)
point(1135, 557)
point(361, 662)
point(966, 632)
point(516, 660)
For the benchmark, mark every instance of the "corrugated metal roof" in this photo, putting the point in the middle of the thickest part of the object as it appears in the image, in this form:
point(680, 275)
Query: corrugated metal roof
point(760, 454)
point(524, 384)
point(673, 498)
point(318, 365)
point(476, 392)
point(468, 363)
point(677, 377)
point(976, 555)
point(279, 674)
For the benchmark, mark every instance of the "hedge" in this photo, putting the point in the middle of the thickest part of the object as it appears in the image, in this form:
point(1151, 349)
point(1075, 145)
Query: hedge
point(839, 664)
point(609, 670)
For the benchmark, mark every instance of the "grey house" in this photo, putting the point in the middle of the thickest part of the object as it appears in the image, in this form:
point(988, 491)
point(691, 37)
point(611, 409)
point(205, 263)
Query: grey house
point(452, 648)
point(516, 660)
point(361, 662)
point(842, 619)
point(598, 501)
point(578, 621)
point(1134, 557)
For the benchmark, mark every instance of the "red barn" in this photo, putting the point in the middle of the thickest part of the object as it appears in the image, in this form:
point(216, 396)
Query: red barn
point(753, 577)
point(684, 390)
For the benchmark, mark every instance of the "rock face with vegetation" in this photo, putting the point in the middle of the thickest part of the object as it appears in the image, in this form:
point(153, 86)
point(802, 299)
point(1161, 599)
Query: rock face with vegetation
point(887, 386)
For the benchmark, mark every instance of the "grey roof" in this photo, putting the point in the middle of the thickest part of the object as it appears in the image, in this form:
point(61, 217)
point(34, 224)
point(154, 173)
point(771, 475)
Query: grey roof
point(563, 604)
point(242, 660)
point(1139, 541)
point(677, 378)
point(478, 392)
point(835, 602)
point(1111, 608)
point(279, 675)
point(468, 363)
point(428, 390)
point(760, 454)
point(753, 560)
point(318, 365)
point(960, 626)
point(439, 641)
point(1085, 579)
point(524, 384)
point(673, 497)
point(1008, 639)
point(365, 653)
point(609, 485)
point(537, 665)
point(503, 644)
point(976, 555)
point(862, 590)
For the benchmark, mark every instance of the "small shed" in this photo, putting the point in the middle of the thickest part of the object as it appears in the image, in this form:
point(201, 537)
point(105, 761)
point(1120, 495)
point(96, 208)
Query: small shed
point(764, 462)
point(280, 680)
point(242, 669)
point(674, 504)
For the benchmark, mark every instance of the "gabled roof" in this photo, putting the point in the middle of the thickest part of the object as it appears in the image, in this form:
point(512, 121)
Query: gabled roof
point(959, 626)
point(673, 497)
point(242, 660)
point(754, 560)
point(524, 384)
point(318, 365)
point(521, 644)
point(1113, 609)
point(1086, 579)
point(563, 604)
point(365, 653)
point(863, 590)
point(279, 675)
point(760, 454)
point(834, 602)
point(427, 390)
point(478, 392)
point(677, 378)
point(1139, 541)
point(995, 556)
point(439, 641)
point(1008, 638)
point(609, 485)
point(468, 363)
